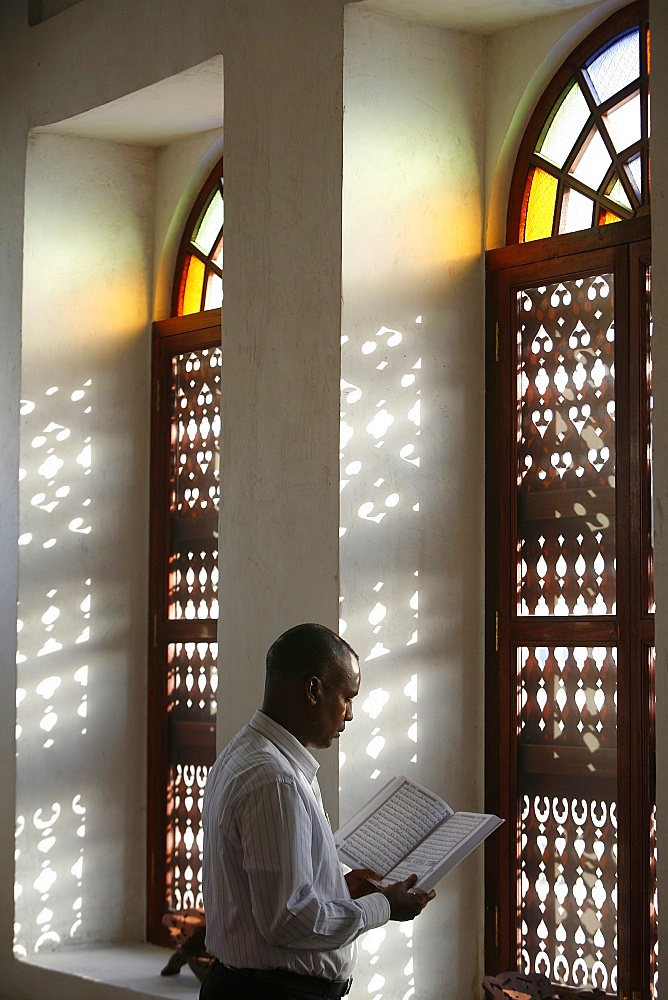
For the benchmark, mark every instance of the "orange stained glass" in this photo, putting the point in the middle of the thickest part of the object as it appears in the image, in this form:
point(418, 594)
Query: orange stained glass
point(540, 206)
point(606, 217)
point(192, 293)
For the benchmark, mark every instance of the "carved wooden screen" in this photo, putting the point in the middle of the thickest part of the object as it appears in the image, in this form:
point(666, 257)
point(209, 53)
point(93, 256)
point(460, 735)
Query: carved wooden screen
point(572, 892)
point(184, 604)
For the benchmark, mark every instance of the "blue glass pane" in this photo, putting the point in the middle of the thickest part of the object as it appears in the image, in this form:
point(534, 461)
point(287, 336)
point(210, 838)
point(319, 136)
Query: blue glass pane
point(615, 67)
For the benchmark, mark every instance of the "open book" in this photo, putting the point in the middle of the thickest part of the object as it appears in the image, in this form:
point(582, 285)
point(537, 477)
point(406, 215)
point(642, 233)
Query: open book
point(408, 830)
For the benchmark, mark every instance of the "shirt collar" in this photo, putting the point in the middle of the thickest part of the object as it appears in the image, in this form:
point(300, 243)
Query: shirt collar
point(288, 744)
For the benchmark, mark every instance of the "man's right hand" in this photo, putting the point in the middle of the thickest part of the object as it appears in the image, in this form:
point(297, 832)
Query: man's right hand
point(404, 903)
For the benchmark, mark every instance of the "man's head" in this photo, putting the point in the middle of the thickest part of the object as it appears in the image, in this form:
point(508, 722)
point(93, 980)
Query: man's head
point(312, 677)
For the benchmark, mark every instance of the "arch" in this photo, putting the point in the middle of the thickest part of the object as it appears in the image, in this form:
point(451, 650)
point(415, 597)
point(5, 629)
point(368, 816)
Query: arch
point(198, 274)
point(622, 192)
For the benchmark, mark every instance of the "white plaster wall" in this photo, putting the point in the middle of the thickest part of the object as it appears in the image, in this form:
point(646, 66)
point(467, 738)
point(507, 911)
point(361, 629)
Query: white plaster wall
point(412, 460)
point(282, 321)
point(83, 559)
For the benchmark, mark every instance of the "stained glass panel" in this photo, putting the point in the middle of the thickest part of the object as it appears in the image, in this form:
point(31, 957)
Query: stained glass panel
point(540, 207)
point(606, 217)
point(568, 122)
point(616, 67)
point(214, 292)
point(623, 123)
point(192, 294)
point(576, 212)
point(618, 194)
point(634, 170)
point(208, 230)
point(584, 137)
point(592, 163)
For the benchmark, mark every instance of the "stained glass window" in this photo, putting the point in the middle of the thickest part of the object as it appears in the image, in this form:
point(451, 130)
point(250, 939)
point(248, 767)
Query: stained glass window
point(199, 269)
point(589, 164)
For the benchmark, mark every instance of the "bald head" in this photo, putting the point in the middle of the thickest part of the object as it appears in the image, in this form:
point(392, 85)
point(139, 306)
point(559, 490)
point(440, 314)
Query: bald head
point(312, 673)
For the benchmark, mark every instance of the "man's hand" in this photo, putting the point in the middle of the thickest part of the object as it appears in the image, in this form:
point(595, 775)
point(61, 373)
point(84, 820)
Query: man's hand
point(404, 904)
point(360, 882)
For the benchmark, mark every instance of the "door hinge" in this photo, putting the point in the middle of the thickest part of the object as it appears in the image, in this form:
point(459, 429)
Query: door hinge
point(155, 630)
point(496, 631)
point(496, 927)
point(157, 396)
point(497, 341)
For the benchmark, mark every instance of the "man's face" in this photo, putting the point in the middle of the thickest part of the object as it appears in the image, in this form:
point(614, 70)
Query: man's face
point(340, 685)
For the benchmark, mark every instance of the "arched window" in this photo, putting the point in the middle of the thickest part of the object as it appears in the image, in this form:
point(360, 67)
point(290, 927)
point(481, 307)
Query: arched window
point(584, 161)
point(183, 600)
point(198, 281)
point(571, 892)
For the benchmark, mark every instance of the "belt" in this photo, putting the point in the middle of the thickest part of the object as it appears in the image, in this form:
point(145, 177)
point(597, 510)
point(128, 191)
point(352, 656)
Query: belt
point(331, 989)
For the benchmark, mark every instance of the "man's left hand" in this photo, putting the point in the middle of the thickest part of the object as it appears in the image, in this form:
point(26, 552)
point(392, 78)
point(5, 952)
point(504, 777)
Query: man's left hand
point(360, 882)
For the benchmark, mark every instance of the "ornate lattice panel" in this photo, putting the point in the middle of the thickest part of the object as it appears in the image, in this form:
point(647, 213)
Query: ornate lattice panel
point(196, 431)
point(192, 680)
point(568, 905)
point(566, 448)
point(568, 836)
point(649, 329)
point(184, 835)
point(568, 698)
point(192, 611)
point(653, 850)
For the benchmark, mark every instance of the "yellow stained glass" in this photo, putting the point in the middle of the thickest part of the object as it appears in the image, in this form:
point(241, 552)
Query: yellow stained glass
point(192, 293)
point(540, 207)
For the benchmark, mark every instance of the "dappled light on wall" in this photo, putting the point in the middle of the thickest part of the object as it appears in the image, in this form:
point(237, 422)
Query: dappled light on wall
point(55, 596)
point(380, 463)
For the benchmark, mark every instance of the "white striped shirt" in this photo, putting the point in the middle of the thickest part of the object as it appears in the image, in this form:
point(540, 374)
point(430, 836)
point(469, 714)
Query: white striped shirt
point(274, 892)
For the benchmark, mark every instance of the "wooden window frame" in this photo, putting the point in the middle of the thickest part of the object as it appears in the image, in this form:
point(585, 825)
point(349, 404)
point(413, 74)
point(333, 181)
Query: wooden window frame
point(175, 335)
point(631, 630)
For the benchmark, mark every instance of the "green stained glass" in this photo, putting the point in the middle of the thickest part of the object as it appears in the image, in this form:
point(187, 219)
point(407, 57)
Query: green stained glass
point(618, 194)
point(569, 120)
point(593, 162)
point(211, 224)
point(616, 67)
point(623, 123)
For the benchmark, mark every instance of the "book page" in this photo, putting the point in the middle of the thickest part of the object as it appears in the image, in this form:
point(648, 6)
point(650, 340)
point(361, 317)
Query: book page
point(392, 829)
point(442, 844)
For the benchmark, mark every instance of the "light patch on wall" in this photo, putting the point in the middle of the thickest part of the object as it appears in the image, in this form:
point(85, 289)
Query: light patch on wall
point(381, 490)
point(53, 628)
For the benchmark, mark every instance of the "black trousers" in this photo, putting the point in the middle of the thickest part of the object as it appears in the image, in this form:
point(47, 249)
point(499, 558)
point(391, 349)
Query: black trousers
point(221, 983)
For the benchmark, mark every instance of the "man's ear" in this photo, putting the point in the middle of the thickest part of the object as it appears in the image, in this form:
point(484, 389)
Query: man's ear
point(314, 690)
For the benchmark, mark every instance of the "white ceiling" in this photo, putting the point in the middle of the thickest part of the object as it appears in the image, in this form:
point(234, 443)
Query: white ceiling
point(479, 16)
point(192, 101)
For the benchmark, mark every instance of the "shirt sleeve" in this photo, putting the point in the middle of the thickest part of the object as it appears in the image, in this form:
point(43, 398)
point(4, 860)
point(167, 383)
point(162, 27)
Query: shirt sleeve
point(298, 894)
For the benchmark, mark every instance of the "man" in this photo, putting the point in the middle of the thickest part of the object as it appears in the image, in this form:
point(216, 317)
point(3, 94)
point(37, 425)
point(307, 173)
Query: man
point(281, 918)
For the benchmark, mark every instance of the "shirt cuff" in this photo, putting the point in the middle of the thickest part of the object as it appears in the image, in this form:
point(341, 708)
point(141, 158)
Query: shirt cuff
point(376, 908)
